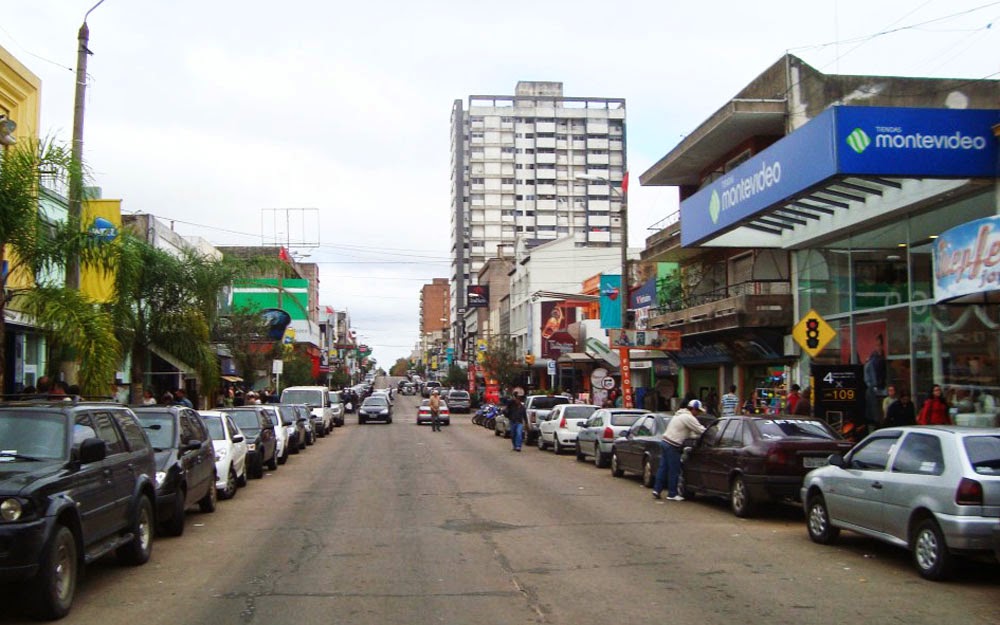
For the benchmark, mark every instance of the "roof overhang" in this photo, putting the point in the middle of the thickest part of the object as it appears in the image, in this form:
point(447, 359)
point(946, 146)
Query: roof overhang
point(736, 122)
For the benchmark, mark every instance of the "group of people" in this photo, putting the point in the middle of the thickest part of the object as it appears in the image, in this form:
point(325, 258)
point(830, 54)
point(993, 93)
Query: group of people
point(169, 398)
point(47, 386)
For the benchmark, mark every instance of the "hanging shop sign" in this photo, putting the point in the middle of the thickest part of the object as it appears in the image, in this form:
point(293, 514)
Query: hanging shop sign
point(967, 261)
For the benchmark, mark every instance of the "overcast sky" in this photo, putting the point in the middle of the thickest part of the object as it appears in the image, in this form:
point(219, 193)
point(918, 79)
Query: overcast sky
point(212, 113)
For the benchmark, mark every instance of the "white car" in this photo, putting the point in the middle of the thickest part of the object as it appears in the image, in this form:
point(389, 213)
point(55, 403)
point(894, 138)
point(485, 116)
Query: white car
point(559, 428)
point(597, 436)
point(230, 452)
point(280, 433)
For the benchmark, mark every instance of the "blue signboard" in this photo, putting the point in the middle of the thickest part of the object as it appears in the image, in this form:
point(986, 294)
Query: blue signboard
point(644, 296)
point(611, 306)
point(967, 259)
point(846, 140)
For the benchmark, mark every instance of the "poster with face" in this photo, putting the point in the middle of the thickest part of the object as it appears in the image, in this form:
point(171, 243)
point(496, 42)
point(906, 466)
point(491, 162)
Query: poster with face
point(556, 339)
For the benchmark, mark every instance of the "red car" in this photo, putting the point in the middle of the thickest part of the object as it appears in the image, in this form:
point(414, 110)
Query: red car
point(754, 459)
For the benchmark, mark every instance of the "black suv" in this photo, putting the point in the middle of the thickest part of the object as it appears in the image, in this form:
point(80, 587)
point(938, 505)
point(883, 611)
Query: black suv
point(76, 482)
point(262, 447)
point(185, 463)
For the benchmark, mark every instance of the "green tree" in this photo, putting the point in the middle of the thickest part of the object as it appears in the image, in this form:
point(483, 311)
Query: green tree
point(36, 245)
point(244, 332)
point(297, 369)
point(457, 377)
point(400, 368)
point(500, 362)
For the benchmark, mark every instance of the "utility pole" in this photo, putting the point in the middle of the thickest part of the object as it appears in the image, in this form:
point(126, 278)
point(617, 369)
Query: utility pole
point(76, 171)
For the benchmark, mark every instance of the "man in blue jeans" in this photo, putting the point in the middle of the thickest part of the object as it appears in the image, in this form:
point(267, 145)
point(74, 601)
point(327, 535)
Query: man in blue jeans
point(516, 416)
point(683, 425)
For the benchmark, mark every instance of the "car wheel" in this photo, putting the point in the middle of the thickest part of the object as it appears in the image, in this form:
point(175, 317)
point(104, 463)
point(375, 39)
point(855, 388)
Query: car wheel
point(496, 432)
point(540, 443)
point(138, 550)
point(388, 421)
point(616, 466)
point(648, 477)
point(739, 498)
point(257, 468)
point(580, 456)
point(930, 552)
point(174, 526)
point(241, 480)
point(207, 503)
point(557, 447)
point(231, 485)
point(283, 458)
point(600, 459)
point(361, 420)
point(818, 521)
point(55, 584)
point(272, 464)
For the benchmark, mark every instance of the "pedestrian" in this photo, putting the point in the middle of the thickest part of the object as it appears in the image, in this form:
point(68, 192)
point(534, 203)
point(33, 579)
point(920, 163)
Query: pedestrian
point(683, 425)
point(793, 398)
point(434, 404)
point(516, 416)
point(167, 399)
point(935, 409)
point(148, 399)
point(729, 402)
point(180, 397)
point(803, 407)
point(889, 398)
point(900, 412)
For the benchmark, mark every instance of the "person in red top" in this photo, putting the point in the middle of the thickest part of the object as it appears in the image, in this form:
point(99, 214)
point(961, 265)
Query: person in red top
point(935, 409)
point(793, 398)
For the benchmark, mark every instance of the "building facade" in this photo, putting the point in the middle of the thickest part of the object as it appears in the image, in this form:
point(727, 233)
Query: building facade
point(535, 165)
point(435, 320)
point(838, 201)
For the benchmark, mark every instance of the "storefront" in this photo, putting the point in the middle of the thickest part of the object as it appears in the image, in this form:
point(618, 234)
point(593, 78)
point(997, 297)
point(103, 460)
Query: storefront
point(881, 208)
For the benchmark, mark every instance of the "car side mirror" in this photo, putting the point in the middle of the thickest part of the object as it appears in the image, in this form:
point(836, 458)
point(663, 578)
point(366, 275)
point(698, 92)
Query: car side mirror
point(837, 460)
point(239, 438)
point(92, 450)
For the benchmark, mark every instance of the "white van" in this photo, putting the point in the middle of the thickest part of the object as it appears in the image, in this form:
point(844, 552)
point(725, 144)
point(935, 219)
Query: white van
point(316, 398)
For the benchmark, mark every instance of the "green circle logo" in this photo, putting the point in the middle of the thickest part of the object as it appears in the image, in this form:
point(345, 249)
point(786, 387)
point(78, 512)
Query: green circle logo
point(714, 206)
point(858, 140)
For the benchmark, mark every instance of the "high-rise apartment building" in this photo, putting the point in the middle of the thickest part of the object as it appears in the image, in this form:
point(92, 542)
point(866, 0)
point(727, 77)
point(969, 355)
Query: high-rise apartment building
point(537, 166)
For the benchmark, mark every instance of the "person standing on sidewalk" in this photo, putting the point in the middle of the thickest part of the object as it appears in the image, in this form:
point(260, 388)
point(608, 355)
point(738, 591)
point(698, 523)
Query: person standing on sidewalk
point(516, 416)
point(729, 403)
point(435, 407)
point(683, 425)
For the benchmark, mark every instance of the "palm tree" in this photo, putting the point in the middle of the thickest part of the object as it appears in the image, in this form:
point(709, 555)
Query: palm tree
point(35, 246)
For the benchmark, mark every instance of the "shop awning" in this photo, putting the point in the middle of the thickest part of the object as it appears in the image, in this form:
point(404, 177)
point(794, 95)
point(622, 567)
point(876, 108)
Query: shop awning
point(232, 378)
point(574, 358)
point(647, 354)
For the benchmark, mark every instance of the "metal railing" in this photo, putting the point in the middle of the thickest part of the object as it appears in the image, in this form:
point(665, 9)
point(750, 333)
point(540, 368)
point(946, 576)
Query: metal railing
point(752, 287)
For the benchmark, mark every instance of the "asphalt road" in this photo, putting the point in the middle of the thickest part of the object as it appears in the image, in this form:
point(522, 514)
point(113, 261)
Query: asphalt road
point(386, 524)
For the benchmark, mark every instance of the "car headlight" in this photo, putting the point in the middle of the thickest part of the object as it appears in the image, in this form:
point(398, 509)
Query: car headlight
point(161, 476)
point(11, 509)
point(383, 412)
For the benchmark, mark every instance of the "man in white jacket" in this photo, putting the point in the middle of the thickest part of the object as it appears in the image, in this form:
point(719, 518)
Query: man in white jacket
point(683, 425)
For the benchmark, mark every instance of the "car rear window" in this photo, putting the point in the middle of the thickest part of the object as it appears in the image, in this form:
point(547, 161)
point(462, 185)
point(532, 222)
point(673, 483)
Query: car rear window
point(375, 400)
point(624, 419)
point(302, 396)
point(458, 395)
point(578, 412)
point(548, 403)
point(246, 419)
point(771, 429)
point(984, 454)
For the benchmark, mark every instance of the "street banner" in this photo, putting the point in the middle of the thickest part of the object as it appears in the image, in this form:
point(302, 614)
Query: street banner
point(611, 306)
point(477, 296)
point(665, 340)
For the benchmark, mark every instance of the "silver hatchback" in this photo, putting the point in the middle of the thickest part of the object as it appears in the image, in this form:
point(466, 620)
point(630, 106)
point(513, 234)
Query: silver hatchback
point(934, 490)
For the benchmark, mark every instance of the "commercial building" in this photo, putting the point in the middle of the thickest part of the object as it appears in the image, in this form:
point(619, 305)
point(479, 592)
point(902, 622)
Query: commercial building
point(537, 166)
point(863, 206)
point(434, 323)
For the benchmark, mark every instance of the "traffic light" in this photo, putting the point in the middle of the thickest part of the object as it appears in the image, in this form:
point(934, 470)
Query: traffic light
point(529, 359)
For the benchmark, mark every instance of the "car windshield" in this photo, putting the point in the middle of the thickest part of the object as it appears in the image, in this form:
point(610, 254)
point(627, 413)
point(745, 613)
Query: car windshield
point(214, 425)
point(376, 400)
point(159, 428)
point(246, 419)
point(32, 436)
point(771, 429)
point(578, 412)
point(548, 403)
point(302, 396)
point(287, 415)
point(626, 418)
point(984, 454)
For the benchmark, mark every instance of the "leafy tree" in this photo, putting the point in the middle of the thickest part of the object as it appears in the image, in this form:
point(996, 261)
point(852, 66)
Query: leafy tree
point(36, 247)
point(244, 332)
point(297, 369)
point(400, 368)
point(500, 362)
point(457, 377)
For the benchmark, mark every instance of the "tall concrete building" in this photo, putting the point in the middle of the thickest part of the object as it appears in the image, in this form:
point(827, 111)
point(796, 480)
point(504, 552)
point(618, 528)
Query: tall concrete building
point(537, 166)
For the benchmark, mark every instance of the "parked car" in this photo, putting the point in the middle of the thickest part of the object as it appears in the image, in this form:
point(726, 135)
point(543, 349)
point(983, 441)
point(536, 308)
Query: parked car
point(295, 427)
point(262, 447)
point(424, 413)
point(755, 459)
point(428, 386)
point(559, 428)
point(598, 434)
point(317, 399)
point(638, 449)
point(934, 490)
point(280, 432)
point(536, 407)
point(408, 388)
point(309, 422)
point(185, 463)
point(230, 452)
point(77, 481)
point(337, 407)
point(458, 401)
point(375, 408)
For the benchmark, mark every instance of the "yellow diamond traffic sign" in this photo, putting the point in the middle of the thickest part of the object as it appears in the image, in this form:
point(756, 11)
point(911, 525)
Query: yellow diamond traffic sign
point(812, 333)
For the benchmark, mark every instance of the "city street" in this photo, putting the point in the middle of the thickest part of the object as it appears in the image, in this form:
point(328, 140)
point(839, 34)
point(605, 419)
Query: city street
point(396, 524)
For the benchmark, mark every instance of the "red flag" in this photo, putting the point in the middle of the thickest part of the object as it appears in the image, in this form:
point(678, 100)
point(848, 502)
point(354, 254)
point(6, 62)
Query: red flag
point(625, 184)
point(283, 255)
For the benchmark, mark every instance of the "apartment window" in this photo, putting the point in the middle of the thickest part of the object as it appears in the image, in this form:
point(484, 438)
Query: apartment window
point(477, 135)
point(507, 150)
point(476, 180)
point(506, 181)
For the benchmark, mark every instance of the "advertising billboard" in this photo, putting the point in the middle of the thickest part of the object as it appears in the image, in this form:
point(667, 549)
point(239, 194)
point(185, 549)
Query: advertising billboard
point(556, 339)
point(477, 296)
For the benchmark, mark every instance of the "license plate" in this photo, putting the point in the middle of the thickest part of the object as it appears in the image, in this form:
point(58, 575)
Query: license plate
point(812, 463)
